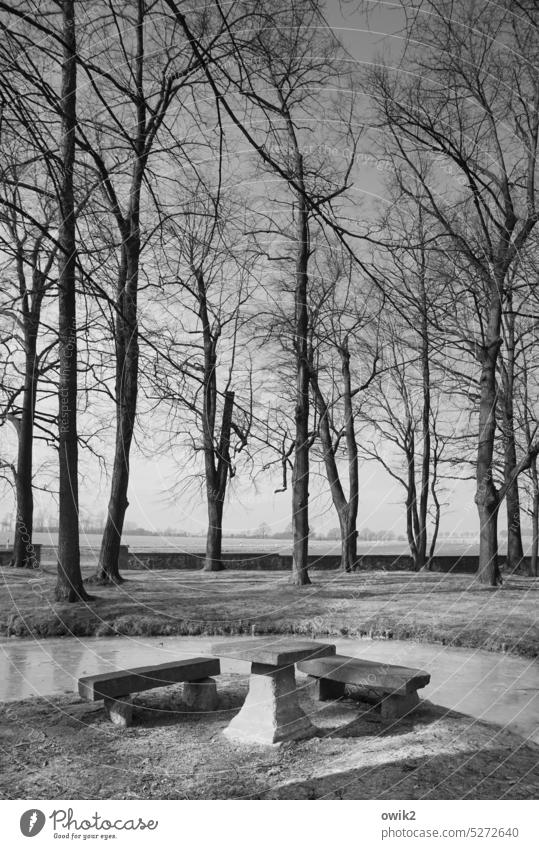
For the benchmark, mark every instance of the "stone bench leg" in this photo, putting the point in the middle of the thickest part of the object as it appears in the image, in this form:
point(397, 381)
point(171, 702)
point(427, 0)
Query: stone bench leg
point(326, 690)
point(120, 710)
point(395, 707)
point(201, 696)
point(271, 712)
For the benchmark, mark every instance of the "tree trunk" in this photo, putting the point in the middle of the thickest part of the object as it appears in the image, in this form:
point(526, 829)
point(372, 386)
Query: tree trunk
point(488, 570)
point(23, 550)
point(436, 501)
point(127, 353)
point(213, 561)
point(425, 430)
point(486, 496)
point(410, 527)
point(216, 482)
point(515, 551)
point(348, 541)
point(127, 347)
point(347, 517)
point(216, 461)
point(69, 586)
point(300, 473)
point(534, 565)
point(300, 510)
point(109, 555)
point(412, 517)
point(353, 465)
point(24, 556)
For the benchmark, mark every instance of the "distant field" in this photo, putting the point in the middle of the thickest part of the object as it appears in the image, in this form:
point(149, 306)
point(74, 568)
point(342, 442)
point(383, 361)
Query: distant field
point(197, 544)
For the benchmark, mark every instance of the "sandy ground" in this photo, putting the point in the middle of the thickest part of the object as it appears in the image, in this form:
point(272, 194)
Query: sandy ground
point(62, 748)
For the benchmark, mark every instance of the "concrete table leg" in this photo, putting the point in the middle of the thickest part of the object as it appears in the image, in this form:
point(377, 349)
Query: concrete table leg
point(271, 712)
point(201, 696)
point(120, 710)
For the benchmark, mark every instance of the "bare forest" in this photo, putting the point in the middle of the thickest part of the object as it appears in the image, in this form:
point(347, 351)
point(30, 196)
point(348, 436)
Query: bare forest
point(227, 238)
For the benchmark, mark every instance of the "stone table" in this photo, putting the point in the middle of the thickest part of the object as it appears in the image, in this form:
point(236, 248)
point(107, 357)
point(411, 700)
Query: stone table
point(271, 712)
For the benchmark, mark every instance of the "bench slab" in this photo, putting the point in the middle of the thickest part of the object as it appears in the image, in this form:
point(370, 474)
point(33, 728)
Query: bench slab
point(111, 685)
point(367, 674)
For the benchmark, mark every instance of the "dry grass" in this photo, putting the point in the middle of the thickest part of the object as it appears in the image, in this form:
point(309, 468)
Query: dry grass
point(447, 609)
point(57, 749)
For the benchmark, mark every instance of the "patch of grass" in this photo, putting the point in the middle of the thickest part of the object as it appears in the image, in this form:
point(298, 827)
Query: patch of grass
point(434, 608)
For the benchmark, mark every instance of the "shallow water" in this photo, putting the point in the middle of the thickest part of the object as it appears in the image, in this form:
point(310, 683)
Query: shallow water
point(495, 687)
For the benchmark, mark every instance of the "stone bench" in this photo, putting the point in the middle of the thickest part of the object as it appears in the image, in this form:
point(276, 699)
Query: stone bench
point(115, 688)
point(394, 688)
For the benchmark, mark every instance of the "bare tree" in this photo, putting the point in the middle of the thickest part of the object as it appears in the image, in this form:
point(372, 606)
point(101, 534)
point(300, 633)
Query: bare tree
point(472, 103)
point(40, 56)
point(131, 107)
point(393, 434)
point(289, 63)
point(205, 296)
point(507, 367)
point(530, 422)
point(344, 351)
point(69, 586)
point(518, 398)
point(279, 63)
point(29, 262)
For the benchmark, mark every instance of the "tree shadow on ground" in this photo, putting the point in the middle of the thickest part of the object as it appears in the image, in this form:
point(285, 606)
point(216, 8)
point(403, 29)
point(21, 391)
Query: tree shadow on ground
point(496, 773)
point(350, 718)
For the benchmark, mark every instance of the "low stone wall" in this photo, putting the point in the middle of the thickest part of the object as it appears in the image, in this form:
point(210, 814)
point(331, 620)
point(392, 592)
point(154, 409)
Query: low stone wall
point(247, 561)
point(264, 562)
point(88, 556)
point(460, 564)
point(463, 564)
point(6, 554)
point(47, 555)
point(252, 561)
